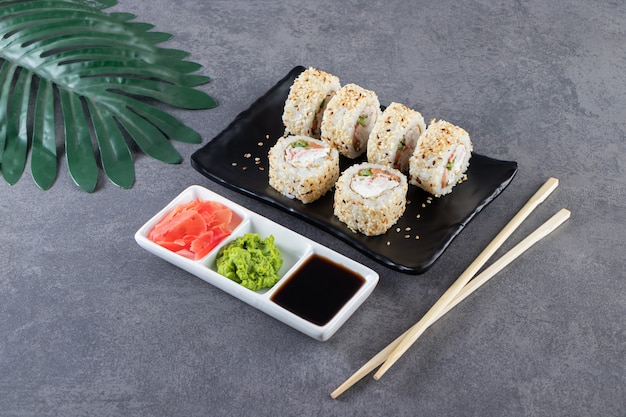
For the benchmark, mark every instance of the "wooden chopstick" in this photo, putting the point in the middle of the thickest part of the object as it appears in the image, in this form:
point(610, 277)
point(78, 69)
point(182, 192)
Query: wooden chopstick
point(382, 356)
point(542, 231)
point(467, 275)
point(545, 229)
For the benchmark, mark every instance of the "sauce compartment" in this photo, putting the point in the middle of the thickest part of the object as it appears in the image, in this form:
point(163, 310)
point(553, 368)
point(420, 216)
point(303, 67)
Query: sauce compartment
point(329, 305)
point(329, 301)
point(318, 289)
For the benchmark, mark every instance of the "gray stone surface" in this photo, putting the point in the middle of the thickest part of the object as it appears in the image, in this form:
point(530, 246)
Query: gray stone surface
point(91, 324)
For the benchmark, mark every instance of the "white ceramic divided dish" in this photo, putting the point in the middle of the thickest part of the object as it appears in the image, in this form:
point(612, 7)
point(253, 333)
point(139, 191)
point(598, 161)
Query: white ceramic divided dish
point(295, 248)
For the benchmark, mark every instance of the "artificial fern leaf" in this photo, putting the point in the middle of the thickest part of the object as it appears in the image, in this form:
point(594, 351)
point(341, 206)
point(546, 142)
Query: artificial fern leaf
point(104, 69)
point(117, 160)
point(150, 139)
point(81, 160)
point(17, 139)
point(43, 155)
point(6, 75)
point(168, 124)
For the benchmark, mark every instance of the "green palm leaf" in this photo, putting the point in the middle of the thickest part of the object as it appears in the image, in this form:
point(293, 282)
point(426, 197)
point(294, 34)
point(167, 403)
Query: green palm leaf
point(99, 71)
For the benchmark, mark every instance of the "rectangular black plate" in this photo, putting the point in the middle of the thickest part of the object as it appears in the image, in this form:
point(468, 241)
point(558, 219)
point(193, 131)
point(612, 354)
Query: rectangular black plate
point(237, 158)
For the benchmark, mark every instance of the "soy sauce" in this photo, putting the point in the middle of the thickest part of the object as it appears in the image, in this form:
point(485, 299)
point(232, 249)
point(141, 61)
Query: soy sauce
point(318, 290)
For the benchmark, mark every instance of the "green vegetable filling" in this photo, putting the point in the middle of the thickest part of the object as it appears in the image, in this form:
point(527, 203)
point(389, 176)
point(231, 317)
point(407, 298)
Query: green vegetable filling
point(301, 143)
point(402, 143)
point(450, 164)
point(251, 261)
point(361, 121)
point(366, 172)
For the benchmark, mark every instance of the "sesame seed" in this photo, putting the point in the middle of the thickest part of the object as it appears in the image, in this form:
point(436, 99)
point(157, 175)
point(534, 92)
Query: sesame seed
point(408, 229)
point(247, 155)
point(417, 237)
point(407, 236)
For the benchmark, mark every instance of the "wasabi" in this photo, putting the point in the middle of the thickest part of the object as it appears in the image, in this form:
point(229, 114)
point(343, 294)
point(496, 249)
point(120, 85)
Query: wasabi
point(251, 261)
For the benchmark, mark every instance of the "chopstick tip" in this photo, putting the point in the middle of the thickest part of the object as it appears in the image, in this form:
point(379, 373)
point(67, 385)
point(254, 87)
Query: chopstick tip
point(552, 183)
point(385, 367)
point(341, 389)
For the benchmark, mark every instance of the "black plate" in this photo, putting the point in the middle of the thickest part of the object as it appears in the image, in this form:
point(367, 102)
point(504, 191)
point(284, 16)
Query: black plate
point(237, 158)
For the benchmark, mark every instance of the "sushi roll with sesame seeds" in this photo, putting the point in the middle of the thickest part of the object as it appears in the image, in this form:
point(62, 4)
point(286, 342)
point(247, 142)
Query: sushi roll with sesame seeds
point(370, 198)
point(441, 158)
point(308, 96)
point(349, 118)
point(302, 167)
point(394, 136)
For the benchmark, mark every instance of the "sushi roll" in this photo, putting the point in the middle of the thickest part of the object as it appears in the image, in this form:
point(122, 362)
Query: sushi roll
point(370, 198)
point(441, 158)
point(394, 136)
point(308, 96)
point(302, 167)
point(349, 118)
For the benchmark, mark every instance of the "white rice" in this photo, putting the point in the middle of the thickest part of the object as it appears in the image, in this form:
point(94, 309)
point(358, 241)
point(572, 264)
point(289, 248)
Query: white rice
point(349, 118)
point(441, 158)
point(370, 210)
point(308, 97)
point(306, 178)
point(394, 136)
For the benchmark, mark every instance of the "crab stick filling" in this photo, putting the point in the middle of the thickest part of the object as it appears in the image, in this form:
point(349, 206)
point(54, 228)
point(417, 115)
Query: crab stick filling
point(317, 120)
point(402, 153)
point(302, 153)
point(453, 167)
point(361, 130)
point(372, 182)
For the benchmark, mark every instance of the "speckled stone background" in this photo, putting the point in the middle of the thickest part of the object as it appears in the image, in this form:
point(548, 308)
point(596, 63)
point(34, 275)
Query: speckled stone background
point(92, 325)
